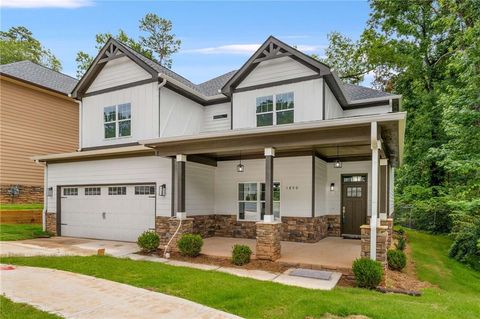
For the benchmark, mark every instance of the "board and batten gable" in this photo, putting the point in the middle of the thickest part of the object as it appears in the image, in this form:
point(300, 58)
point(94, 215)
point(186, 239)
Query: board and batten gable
point(118, 72)
point(216, 117)
point(308, 104)
point(293, 173)
point(143, 101)
point(275, 70)
point(333, 109)
point(146, 169)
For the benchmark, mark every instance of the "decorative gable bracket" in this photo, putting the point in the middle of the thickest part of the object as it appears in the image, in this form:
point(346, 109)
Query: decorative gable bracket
point(111, 53)
point(273, 51)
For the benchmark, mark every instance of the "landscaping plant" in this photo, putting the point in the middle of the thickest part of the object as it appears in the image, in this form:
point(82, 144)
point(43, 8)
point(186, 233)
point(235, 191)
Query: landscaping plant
point(241, 255)
point(148, 241)
point(368, 273)
point(401, 243)
point(190, 245)
point(397, 260)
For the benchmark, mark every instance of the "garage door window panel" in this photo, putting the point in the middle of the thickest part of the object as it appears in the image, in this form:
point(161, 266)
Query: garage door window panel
point(93, 191)
point(70, 191)
point(145, 190)
point(117, 190)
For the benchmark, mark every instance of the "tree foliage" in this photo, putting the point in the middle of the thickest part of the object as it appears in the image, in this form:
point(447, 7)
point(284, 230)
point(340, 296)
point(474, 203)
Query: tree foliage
point(429, 52)
point(159, 44)
point(19, 44)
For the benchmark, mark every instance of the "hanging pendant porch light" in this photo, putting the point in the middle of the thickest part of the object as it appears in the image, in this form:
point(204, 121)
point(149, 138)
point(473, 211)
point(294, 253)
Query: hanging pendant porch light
point(338, 163)
point(240, 166)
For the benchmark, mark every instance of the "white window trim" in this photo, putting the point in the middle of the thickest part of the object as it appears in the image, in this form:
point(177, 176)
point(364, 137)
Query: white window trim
point(274, 109)
point(117, 122)
point(259, 200)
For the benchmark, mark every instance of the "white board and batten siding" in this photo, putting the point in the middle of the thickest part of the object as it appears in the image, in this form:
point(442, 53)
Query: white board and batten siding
point(143, 101)
point(179, 115)
point(307, 102)
point(333, 109)
point(275, 70)
point(321, 185)
point(199, 189)
point(210, 123)
point(293, 173)
point(118, 72)
point(145, 169)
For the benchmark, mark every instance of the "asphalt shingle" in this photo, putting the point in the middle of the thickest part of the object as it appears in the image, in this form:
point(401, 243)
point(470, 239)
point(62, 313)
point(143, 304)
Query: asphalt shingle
point(357, 92)
point(39, 75)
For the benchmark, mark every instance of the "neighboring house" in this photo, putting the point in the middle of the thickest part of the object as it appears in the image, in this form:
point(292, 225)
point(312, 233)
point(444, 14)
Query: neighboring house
point(36, 117)
point(281, 140)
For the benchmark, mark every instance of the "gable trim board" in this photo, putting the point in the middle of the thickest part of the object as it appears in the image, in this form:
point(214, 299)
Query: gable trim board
point(120, 87)
point(277, 83)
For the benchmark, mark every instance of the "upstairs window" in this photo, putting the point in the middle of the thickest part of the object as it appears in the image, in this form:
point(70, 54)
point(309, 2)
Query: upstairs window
point(275, 109)
point(117, 121)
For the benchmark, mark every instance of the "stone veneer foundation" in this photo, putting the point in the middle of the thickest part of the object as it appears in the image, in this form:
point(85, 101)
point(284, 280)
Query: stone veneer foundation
point(382, 246)
point(389, 223)
point(297, 229)
point(27, 194)
point(171, 226)
point(51, 223)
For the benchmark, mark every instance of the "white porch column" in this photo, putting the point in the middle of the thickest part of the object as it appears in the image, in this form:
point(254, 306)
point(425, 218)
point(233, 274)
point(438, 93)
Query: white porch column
point(375, 145)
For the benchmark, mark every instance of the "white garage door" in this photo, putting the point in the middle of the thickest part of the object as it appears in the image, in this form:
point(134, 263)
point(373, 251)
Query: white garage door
point(116, 212)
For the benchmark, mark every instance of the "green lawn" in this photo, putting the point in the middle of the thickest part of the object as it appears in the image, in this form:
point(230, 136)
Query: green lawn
point(9, 232)
point(20, 206)
point(13, 310)
point(457, 295)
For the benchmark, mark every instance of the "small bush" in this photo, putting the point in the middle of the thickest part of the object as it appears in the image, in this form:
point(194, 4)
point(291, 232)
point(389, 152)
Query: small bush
point(401, 243)
point(397, 260)
point(148, 241)
point(401, 232)
point(190, 245)
point(241, 255)
point(368, 273)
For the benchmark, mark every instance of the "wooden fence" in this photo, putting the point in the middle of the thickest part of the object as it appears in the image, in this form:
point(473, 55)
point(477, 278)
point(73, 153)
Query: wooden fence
point(21, 216)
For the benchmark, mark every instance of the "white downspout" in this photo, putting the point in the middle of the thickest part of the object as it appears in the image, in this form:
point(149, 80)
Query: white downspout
point(45, 194)
point(80, 117)
point(373, 218)
point(160, 85)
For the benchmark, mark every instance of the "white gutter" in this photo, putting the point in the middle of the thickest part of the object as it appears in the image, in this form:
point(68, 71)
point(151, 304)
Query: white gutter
point(80, 118)
point(189, 89)
point(160, 85)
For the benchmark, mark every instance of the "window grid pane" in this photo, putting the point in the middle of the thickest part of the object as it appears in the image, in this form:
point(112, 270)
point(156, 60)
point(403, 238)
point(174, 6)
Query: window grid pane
point(70, 191)
point(92, 191)
point(144, 190)
point(117, 190)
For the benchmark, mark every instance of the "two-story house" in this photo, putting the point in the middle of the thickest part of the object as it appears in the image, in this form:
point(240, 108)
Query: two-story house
point(280, 143)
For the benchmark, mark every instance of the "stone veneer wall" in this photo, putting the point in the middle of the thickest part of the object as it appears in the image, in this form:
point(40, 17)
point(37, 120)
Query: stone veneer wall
point(268, 240)
point(297, 229)
point(389, 223)
point(51, 223)
point(27, 195)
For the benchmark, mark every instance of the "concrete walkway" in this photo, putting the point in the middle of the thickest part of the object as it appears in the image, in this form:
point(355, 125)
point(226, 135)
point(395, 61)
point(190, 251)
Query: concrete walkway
point(65, 246)
point(82, 297)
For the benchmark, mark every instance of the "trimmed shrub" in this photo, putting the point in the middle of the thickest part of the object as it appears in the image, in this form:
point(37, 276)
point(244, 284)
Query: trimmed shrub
point(148, 241)
point(368, 273)
point(397, 260)
point(401, 243)
point(190, 245)
point(241, 254)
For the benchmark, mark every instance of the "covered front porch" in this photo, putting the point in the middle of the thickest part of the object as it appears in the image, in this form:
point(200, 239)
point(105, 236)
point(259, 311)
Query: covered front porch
point(329, 253)
point(285, 190)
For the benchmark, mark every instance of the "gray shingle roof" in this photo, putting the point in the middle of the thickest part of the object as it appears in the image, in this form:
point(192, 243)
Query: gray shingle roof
point(39, 75)
point(357, 92)
point(211, 87)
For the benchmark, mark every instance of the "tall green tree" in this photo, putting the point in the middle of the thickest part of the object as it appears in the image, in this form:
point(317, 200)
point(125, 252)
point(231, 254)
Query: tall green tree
point(158, 44)
point(18, 44)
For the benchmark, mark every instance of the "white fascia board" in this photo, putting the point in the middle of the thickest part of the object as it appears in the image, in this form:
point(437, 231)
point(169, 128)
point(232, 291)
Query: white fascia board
point(189, 89)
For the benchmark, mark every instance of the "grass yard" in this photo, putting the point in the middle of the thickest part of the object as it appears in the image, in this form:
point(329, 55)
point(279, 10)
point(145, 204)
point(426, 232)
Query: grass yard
point(457, 295)
point(13, 310)
point(20, 206)
point(9, 232)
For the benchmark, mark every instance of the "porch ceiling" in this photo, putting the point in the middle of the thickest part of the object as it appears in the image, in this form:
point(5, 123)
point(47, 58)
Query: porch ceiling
point(350, 135)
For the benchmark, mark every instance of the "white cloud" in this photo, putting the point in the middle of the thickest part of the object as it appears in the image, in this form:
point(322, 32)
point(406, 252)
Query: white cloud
point(25, 4)
point(245, 49)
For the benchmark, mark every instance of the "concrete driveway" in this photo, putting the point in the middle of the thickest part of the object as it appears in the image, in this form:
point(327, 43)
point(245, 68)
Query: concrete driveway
point(83, 297)
point(65, 246)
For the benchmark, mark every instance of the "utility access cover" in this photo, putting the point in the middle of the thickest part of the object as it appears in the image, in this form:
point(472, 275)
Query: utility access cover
point(310, 273)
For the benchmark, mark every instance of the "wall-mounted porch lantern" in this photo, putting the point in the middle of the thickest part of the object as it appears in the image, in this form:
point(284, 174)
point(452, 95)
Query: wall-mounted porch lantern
point(338, 163)
point(332, 187)
point(163, 190)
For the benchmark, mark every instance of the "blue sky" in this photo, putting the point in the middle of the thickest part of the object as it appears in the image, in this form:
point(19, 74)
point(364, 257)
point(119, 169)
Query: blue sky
point(217, 36)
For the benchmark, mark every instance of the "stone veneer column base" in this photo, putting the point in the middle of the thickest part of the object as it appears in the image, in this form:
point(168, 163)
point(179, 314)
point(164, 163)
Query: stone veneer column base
point(51, 223)
point(382, 237)
point(268, 240)
point(166, 227)
point(389, 223)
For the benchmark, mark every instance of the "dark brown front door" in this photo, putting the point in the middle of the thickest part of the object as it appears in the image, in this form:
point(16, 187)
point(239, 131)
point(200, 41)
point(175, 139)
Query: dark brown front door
point(354, 203)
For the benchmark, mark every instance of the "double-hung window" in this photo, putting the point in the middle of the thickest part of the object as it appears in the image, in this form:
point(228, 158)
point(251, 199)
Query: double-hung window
point(251, 201)
point(275, 109)
point(117, 121)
